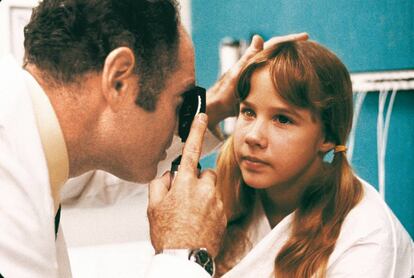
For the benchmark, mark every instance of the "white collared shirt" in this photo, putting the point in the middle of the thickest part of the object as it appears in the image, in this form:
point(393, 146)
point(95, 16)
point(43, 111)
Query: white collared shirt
point(33, 159)
point(27, 238)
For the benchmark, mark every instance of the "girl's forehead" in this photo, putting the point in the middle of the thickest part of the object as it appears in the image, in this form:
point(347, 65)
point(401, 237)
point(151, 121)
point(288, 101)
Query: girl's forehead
point(263, 94)
point(262, 87)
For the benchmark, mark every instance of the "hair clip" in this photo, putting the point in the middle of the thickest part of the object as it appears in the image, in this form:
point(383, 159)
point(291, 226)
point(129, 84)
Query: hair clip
point(340, 148)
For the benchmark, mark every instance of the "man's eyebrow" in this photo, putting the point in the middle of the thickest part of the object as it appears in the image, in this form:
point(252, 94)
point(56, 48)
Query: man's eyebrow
point(188, 87)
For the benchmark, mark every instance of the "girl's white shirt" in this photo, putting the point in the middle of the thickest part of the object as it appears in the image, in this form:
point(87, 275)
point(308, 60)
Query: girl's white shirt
point(372, 243)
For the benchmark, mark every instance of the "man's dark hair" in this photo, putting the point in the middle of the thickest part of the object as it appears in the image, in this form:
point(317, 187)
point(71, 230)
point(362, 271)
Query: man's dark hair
point(68, 38)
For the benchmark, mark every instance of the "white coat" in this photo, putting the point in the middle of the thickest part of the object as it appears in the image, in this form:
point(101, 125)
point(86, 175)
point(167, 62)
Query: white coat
point(27, 239)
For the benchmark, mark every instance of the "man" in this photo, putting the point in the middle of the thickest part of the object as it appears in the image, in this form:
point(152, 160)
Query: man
point(100, 89)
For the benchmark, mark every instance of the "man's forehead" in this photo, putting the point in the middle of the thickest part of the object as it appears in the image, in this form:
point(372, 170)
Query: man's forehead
point(184, 77)
point(186, 50)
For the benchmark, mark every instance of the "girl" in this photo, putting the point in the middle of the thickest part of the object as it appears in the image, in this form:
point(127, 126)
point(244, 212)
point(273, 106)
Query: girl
point(292, 213)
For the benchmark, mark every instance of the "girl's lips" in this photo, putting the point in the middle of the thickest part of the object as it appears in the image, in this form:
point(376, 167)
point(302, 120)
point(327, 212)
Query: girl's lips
point(253, 163)
point(253, 159)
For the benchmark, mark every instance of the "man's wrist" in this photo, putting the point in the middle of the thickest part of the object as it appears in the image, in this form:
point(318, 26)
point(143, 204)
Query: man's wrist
point(214, 112)
point(217, 111)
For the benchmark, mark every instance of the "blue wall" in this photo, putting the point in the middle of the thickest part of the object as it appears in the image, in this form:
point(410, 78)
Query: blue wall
point(399, 160)
point(366, 35)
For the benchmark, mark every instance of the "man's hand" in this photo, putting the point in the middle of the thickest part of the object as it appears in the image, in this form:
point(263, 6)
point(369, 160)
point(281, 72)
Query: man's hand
point(221, 98)
point(187, 213)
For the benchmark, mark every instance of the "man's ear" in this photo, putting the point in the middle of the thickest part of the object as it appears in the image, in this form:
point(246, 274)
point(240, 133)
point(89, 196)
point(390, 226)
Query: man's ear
point(117, 76)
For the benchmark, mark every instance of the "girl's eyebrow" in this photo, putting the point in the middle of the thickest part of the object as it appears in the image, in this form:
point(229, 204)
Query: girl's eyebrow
point(278, 109)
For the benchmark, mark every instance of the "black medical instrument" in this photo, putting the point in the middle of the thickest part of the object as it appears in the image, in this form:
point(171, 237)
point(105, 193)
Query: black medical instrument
point(194, 102)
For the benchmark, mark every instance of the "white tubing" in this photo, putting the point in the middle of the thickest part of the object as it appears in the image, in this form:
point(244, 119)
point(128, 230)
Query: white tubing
point(385, 134)
point(387, 121)
point(359, 101)
point(382, 97)
point(382, 135)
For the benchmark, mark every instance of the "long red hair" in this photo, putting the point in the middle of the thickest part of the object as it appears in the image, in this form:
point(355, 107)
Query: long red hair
point(306, 75)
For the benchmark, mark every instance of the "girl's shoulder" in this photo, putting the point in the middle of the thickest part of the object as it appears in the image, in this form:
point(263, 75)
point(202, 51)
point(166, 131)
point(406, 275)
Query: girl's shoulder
point(372, 239)
point(371, 215)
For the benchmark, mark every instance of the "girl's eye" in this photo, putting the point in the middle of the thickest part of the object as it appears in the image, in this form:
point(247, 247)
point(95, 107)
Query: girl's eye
point(282, 119)
point(246, 112)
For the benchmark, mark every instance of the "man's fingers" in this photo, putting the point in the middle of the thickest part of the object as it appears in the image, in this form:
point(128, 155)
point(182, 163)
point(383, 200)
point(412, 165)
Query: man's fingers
point(192, 147)
point(291, 37)
point(255, 46)
point(209, 176)
point(158, 188)
point(257, 42)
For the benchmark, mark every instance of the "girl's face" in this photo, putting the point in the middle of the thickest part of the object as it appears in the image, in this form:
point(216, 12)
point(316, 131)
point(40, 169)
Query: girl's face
point(276, 144)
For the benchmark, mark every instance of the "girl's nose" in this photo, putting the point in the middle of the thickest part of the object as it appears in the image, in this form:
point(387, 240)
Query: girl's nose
point(256, 135)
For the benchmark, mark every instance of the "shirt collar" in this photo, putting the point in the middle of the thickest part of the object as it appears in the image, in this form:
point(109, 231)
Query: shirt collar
point(51, 136)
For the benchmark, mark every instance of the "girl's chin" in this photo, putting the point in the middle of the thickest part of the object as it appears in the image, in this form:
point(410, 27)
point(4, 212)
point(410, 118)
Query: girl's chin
point(255, 182)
